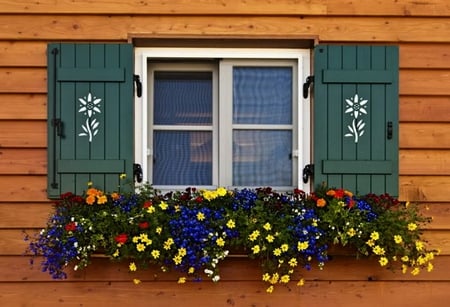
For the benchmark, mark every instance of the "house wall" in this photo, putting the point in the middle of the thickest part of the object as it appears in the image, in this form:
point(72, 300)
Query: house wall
point(422, 31)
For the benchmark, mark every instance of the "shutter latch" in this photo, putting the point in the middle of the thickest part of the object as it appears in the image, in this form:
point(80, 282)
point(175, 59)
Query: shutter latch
point(137, 172)
point(59, 125)
point(138, 82)
point(308, 171)
point(309, 80)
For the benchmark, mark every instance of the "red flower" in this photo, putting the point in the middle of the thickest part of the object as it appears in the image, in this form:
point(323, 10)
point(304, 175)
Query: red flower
point(339, 194)
point(122, 238)
point(199, 199)
point(147, 204)
point(72, 226)
point(351, 203)
point(144, 225)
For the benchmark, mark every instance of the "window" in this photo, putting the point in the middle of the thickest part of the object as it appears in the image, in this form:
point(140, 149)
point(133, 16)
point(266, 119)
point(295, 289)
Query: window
point(222, 118)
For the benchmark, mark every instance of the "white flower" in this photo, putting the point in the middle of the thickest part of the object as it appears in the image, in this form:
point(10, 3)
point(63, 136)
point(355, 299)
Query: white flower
point(216, 278)
point(89, 105)
point(356, 105)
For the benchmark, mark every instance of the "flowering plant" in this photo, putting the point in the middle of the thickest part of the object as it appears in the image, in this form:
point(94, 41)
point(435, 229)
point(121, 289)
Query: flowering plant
point(192, 231)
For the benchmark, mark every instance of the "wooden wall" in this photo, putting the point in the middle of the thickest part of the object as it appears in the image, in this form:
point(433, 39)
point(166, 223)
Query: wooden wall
point(420, 28)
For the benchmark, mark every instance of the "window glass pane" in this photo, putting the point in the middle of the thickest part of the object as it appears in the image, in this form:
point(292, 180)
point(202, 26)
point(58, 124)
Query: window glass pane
point(262, 95)
point(182, 158)
point(183, 98)
point(262, 158)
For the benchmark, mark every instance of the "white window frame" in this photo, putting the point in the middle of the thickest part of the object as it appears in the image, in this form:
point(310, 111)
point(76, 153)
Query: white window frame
point(301, 56)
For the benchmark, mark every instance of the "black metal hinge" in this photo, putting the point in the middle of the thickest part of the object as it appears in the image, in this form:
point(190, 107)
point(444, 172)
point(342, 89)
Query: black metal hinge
point(308, 171)
point(138, 82)
point(306, 86)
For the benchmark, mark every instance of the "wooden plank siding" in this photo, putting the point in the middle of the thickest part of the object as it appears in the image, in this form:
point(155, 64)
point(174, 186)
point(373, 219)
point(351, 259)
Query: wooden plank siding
point(420, 28)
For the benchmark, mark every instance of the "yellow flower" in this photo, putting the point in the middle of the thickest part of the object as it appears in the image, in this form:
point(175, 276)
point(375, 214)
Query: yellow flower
point(151, 209)
point(383, 261)
point(191, 270)
point(404, 268)
point(351, 232)
point(429, 267)
point(419, 246)
point(123, 176)
point(398, 239)
point(155, 253)
point(177, 259)
point(136, 281)
point(407, 204)
point(168, 243)
point(275, 278)
point(181, 280)
point(158, 230)
point(140, 247)
point(231, 224)
point(415, 271)
point(256, 249)
point(267, 226)
point(293, 262)
point(301, 246)
point(182, 251)
point(220, 242)
point(277, 252)
point(102, 200)
point(270, 289)
point(89, 184)
point(374, 235)
point(284, 247)
point(200, 216)
point(301, 282)
point(135, 239)
point(270, 238)
point(163, 205)
point(132, 267)
point(370, 243)
point(405, 258)
point(116, 253)
point(285, 279)
point(254, 235)
point(378, 250)
point(221, 191)
point(266, 277)
point(412, 226)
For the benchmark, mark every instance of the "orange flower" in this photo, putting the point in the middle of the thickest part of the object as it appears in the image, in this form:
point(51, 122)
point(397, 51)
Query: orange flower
point(348, 193)
point(90, 200)
point(93, 192)
point(115, 196)
point(321, 202)
point(331, 193)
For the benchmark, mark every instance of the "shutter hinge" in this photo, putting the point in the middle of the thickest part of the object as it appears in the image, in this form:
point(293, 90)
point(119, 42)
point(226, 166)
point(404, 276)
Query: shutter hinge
point(308, 171)
point(137, 172)
point(138, 82)
point(309, 80)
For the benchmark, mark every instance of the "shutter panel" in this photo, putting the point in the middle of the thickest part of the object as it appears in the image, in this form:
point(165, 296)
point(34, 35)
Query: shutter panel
point(356, 118)
point(90, 116)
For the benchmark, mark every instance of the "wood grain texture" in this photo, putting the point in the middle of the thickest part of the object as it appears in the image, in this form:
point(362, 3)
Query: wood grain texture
point(247, 293)
point(424, 108)
point(425, 56)
point(24, 134)
point(18, 268)
point(424, 82)
point(424, 162)
point(424, 188)
point(23, 53)
point(23, 106)
point(23, 80)
point(23, 188)
point(120, 28)
point(231, 7)
point(23, 161)
point(425, 135)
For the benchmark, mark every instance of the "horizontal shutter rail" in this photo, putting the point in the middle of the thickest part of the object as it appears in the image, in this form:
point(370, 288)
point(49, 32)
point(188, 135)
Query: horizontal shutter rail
point(357, 76)
point(356, 167)
point(91, 166)
point(91, 74)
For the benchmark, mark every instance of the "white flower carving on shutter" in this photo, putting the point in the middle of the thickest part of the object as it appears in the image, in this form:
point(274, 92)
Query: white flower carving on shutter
point(89, 106)
point(356, 106)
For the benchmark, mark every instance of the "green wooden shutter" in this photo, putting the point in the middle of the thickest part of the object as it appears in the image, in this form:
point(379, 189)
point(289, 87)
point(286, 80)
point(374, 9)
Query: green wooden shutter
point(356, 118)
point(90, 116)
